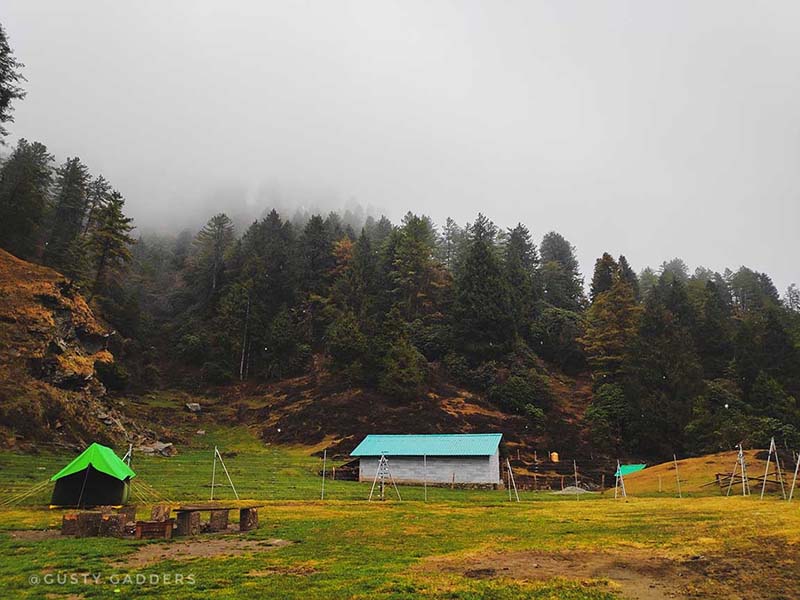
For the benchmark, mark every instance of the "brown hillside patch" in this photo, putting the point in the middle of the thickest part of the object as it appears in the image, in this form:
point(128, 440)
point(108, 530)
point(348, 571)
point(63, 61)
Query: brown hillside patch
point(698, 475)
point(50, 342)
point(297, 411)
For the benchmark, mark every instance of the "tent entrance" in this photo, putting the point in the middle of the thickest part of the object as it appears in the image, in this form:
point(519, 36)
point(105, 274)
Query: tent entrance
point(90, 487)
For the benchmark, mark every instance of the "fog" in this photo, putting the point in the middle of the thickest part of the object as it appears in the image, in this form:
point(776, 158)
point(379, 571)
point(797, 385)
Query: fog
point(653, 129)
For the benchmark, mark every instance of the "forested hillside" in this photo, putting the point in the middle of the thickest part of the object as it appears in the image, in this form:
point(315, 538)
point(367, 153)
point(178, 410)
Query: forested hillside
point(679, 361)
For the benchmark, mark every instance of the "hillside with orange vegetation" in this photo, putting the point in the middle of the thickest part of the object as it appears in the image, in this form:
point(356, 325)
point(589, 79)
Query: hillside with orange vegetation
point(50, 344)
point(698, 476)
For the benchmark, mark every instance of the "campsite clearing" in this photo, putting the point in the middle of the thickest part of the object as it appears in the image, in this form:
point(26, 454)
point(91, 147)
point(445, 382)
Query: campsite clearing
point(703, 547)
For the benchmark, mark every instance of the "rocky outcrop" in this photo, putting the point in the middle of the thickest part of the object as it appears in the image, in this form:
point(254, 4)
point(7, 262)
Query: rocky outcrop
point(50, 345)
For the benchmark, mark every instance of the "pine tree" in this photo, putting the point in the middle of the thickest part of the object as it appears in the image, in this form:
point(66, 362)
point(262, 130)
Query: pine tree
point(449, 243)
point(25, 180)
point(98, 194)
point(10, 78)
point(482, 320)
point(629, 275)
point(521, 264)
point(561, 278)
point(605, 269)
point(413, 268)
point(666, 371)
point(611, 330)
point(211, 244)
point(109, 240)
point(318, 262)
point(65, 249)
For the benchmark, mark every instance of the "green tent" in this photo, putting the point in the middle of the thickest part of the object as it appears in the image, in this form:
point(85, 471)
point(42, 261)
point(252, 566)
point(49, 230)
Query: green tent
point(623, 470)
point(95, 477)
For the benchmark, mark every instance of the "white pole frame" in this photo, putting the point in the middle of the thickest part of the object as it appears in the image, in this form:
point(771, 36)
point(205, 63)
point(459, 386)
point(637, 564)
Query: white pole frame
point(381, 461)
point(324, 462)
point(773, 448)
point(213, 472)
point(513, 483)
point(575, 470)
point(794, 480)
point(677, 476)
point(619, 482)
point(425, 476)
point(217, 455)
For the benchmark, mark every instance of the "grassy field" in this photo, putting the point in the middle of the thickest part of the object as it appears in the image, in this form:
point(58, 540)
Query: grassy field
point(459, 544)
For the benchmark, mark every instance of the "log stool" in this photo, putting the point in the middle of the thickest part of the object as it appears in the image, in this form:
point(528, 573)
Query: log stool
point(112, 525)
point(188, 522)
point(218, 520)
point(248, 519)
point(88, 524)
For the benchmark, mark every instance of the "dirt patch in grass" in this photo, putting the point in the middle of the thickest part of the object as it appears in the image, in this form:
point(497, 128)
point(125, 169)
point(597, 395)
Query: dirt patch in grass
point(639, 574)
point(34, 535)
point(196, 548)
point(298, 570)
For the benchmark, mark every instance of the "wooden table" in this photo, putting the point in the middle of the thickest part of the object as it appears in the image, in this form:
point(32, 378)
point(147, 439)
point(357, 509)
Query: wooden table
point(188, 517)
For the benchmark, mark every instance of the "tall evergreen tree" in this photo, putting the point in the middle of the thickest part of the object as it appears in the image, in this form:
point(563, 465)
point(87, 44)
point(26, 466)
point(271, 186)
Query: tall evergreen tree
point(211, 244)
point(318, 262)
point(521, 265)
point(482, 319)
point(413, 268)
point(605, 269)
point(109, 241)
point(25, 180)
point(667, 375)
point(561, 278)
point(628, 274)
point(612, 327)
point(65, 251)
point(10, 80)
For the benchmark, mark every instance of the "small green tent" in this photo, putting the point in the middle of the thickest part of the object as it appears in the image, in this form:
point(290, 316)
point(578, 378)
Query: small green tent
point(96, 477)
point(623, 470)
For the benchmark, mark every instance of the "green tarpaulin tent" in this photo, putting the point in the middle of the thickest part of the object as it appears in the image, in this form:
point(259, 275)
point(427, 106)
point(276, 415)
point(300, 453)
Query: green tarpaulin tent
point(623, 470)
point(95, 477)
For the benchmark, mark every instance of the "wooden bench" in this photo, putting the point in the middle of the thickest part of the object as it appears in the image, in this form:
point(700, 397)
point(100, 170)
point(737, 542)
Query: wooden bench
point(188, 518)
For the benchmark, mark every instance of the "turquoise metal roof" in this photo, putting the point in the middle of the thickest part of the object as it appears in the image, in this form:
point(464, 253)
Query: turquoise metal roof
point(452, 444)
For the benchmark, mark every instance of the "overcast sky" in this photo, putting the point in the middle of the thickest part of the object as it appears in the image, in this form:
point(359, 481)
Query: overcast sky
point(653, 129)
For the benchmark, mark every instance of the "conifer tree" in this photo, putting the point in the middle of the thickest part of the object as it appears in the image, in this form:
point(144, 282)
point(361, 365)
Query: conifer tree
point(10, 79)
point(628, 274)
point(211, 244)
point(521, 264)
point(612, 326)
point(25, 180)
point(109, 240)
point(605, 269)
point(65, 249)
point(482, 319)
point(561, 278)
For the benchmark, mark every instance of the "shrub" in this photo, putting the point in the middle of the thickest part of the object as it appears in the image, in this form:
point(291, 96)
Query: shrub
point(112, 375)
point(521, 394)
point(405, 371)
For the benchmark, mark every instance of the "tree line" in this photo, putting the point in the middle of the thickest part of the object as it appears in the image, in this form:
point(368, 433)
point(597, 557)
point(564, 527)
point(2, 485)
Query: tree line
point(678, 361)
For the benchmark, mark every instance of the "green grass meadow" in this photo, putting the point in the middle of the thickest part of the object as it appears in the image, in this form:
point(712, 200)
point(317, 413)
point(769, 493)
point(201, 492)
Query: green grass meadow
point(346, 547)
